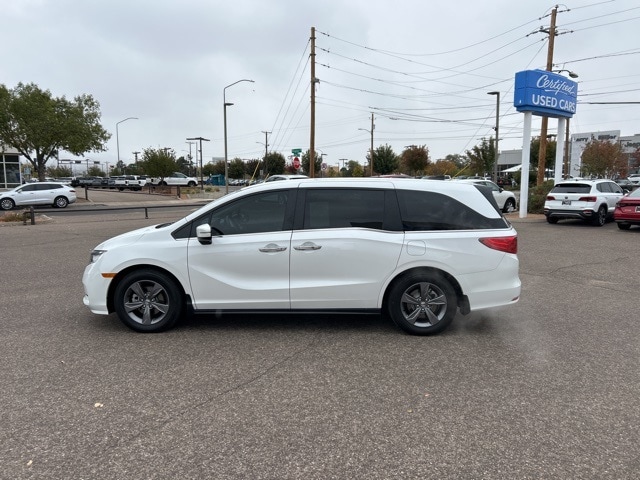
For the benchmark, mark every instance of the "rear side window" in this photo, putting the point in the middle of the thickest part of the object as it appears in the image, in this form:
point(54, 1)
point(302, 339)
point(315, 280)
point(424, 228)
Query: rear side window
point(422, 210)
point(344, 208)
point(571, 188)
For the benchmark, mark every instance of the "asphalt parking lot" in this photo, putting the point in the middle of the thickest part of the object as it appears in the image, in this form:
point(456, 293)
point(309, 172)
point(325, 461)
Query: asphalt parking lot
point(547, 388)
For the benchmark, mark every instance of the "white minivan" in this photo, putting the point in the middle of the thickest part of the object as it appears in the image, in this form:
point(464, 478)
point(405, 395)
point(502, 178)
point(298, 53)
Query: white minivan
point(418, 251)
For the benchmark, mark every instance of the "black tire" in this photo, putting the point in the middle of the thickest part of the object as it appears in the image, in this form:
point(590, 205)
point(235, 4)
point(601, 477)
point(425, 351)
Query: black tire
point(509, 206)
point(148, 301)
point(60, 202)
point(163, 184)
point(191, 184)
point(601, 217)
point(624, 226)
point(552, 220)
point(422, 303)
point(7, 204)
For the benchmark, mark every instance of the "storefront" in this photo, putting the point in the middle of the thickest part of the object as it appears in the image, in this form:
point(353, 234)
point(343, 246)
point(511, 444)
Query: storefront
point(9, 168)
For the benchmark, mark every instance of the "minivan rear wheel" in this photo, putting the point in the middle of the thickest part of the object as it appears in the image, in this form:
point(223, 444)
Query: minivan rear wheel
point(422, 303)
point(148, 301)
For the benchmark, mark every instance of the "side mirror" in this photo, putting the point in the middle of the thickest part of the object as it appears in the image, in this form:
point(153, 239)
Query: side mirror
point(203, 234)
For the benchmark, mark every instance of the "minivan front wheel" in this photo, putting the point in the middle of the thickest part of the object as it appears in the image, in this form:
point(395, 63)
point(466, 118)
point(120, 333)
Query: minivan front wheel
point(148, 301)
point(422, 303)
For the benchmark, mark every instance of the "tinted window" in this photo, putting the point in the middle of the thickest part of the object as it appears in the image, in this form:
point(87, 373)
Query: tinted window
point(344, 208)
point(603, 187)
point(435, 211)
point(29, 188)
point(571, 188)
point(263, 212)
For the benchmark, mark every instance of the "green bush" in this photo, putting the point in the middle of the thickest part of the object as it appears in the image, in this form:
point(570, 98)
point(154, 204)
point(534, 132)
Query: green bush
point(537, 197)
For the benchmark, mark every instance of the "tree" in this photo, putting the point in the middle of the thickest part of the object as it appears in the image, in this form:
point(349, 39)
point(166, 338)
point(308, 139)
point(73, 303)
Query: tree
point(304, 162)
point(252, 167)
point(443, 167)
point(604, 159)
point(385, 161)
point(550, 154)
point(353, 169)
point(183, 165)
point(159, 163)
point(274, 164)
point(94, 171)
point(460, 161)
point(236, 168)
point(57, 172)
point(415, 159)
point(634, 161)
point(482, 157)
point(39, 125)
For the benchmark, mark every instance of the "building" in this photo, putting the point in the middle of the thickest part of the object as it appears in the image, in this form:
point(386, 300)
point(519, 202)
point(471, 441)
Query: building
point(9, 167)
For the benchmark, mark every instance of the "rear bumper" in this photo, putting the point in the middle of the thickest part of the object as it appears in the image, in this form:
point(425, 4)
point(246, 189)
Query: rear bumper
point(581, 214)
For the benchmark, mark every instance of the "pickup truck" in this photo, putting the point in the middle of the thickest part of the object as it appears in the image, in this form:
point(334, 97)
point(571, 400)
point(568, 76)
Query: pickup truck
point(176, 178)
point(132, 182)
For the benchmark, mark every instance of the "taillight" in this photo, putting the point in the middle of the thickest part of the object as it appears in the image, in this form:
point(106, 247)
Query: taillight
point(550, 197)
point(587, 199)
point(502, 244)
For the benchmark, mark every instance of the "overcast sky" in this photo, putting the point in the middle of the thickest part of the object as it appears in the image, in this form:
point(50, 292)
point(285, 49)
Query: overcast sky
point(422, 67)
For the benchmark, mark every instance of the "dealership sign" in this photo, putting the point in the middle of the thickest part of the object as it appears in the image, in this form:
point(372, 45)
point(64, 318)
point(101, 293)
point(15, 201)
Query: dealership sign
point(545, 93)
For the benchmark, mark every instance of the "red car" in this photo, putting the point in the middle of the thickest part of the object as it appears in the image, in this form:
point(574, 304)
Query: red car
point(627, 210)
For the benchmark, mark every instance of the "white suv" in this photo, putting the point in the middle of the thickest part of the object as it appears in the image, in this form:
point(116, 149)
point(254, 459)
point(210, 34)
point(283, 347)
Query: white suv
point(505, 199)
point(590, 200)
point(416, 250)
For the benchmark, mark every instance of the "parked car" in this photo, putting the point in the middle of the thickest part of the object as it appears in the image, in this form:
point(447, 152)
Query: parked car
point(38, 193)
point(634, 178)
point(277, 178)
point(505, 199)
point(590, 200)
point(627, 211)
point(415, 250)
point(131, 182)
point(176, 178)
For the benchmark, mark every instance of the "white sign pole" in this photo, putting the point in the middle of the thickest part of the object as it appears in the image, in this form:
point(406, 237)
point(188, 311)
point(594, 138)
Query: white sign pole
point(560, 145)
point(524, 172)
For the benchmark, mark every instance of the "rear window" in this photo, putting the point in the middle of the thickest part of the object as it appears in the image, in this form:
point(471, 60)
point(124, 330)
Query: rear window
point(571, 188)
point(422, 210)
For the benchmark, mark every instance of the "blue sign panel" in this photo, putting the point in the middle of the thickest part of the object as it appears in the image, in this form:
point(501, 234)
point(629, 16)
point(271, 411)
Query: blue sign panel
point(545, 93)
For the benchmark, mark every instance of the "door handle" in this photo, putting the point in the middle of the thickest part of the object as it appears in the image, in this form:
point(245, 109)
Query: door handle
point(308, 246)
point(272, 247)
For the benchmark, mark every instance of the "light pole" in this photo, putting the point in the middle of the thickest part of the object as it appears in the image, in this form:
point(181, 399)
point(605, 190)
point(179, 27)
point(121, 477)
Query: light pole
point(225, 105)
point(495, 164)
point(201, 177)
point(118, 137)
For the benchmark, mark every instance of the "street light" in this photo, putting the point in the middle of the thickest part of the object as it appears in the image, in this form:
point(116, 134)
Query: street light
point(569, 72)
point(495, 164)
point(118, 137)
point(201, 140)
point(371, 150)
point(225, 105)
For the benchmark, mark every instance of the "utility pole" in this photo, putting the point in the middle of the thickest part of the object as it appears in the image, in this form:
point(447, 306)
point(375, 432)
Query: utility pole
point(314, 80)
point(542, 150)
point(136, 155)
point(371, 151)
point(266, 146)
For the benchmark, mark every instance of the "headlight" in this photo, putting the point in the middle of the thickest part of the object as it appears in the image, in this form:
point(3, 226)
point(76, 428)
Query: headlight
point(95, 254)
